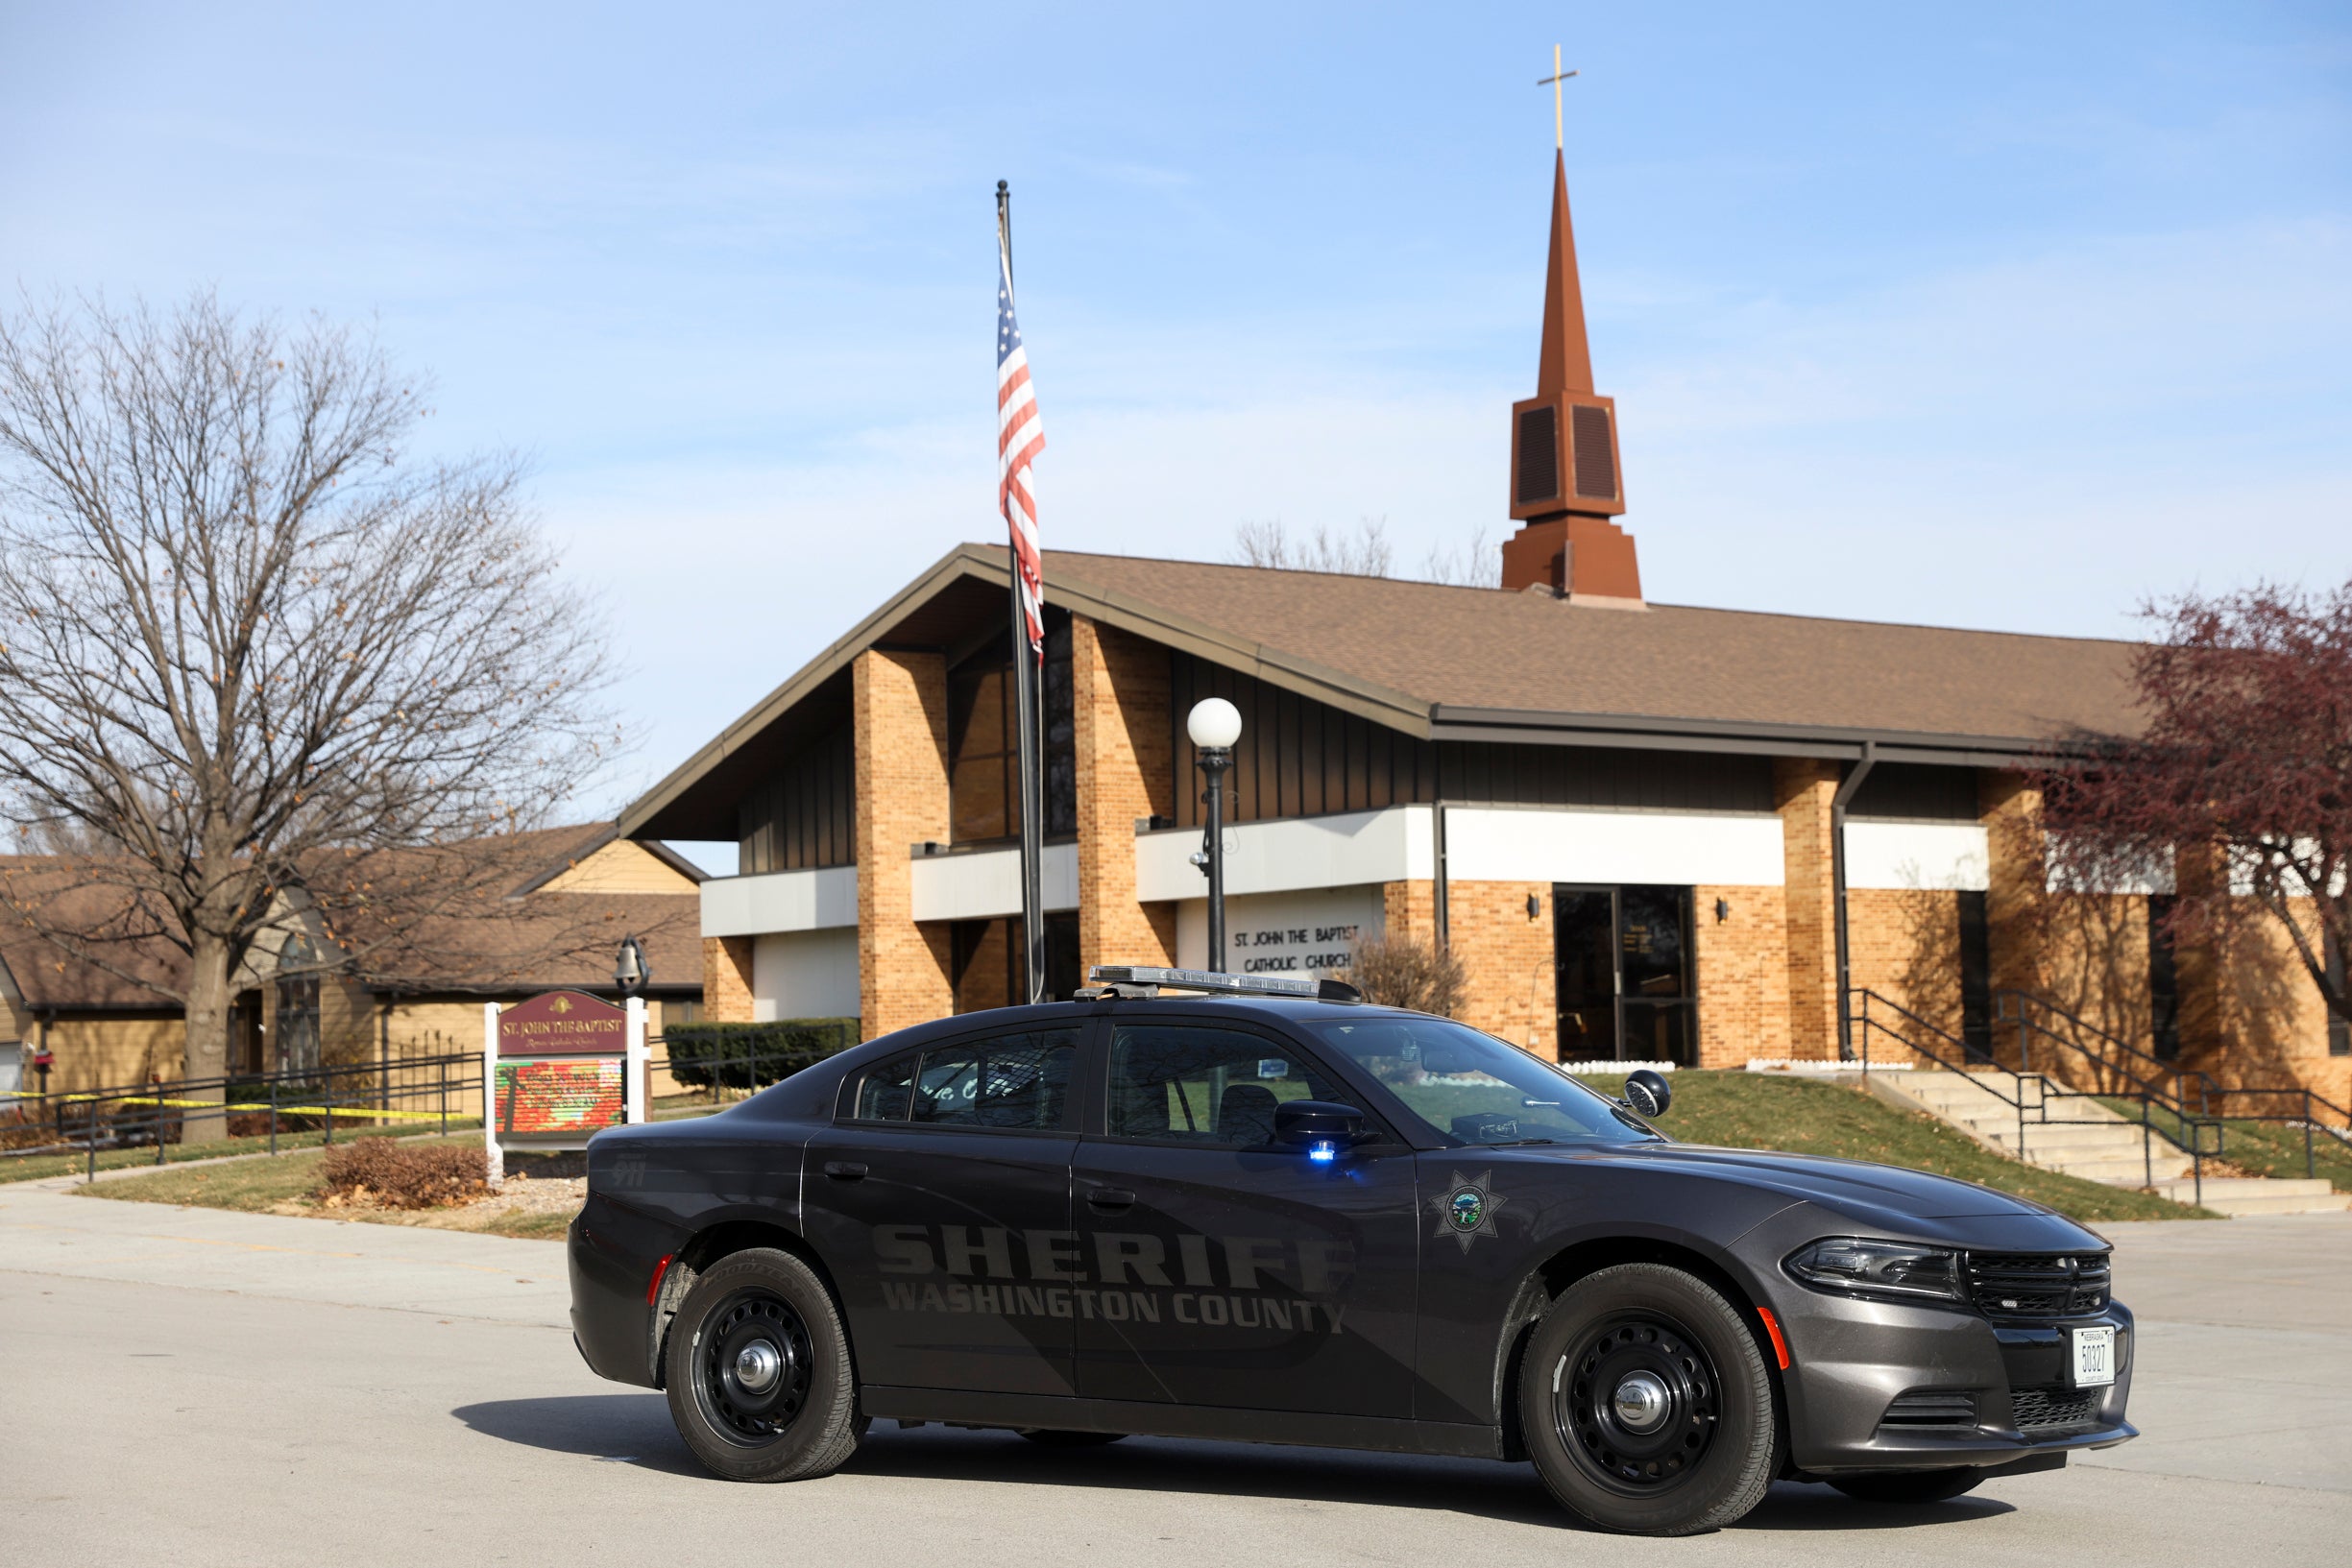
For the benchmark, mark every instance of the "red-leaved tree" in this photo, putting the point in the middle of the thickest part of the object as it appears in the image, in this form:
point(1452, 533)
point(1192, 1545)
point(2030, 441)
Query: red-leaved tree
point(2241, 782)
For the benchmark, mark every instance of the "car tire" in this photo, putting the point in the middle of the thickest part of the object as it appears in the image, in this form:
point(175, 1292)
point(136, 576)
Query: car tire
point(759, 1373)
point(1646, 1403)
point(1909, 1485)
point(1057, 1437)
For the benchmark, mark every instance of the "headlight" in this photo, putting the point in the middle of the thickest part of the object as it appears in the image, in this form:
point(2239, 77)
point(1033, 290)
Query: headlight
point(1889, 1269)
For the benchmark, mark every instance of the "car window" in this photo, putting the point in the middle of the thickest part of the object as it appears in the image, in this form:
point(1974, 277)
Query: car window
point(1471, 1087)
point(1200, 1084)
point(882, 1096)
point(1004, 1080)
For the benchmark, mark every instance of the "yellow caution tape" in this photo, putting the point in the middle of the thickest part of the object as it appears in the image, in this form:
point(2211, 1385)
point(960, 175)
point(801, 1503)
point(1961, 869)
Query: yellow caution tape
point(218, 1105)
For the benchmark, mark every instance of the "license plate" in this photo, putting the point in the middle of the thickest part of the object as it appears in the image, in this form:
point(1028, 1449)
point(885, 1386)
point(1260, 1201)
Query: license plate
point(2094, 1365)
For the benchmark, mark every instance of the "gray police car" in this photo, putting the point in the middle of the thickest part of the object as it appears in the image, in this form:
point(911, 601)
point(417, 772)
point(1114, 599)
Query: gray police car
point(1196, 1205)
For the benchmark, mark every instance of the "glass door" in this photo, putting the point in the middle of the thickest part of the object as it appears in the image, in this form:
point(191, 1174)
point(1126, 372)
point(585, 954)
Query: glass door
point(1584, 963)
point(1628, 990)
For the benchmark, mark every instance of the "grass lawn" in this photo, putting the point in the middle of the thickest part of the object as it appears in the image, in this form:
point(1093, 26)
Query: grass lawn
point(1734, 1110)
point(284, 1186)
point(2263, 1149)
point(35, 1167)
point(1758, 1110)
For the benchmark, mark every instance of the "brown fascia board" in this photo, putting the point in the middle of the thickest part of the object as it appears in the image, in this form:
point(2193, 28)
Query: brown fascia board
point(1383, 704)
point(1646, 732)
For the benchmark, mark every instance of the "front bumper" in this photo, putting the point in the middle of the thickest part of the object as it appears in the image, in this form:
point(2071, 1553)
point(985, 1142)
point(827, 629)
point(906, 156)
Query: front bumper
point(1849, 1361)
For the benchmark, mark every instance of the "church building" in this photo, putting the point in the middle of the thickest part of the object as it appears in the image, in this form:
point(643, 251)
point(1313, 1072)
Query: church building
point(1648, 832)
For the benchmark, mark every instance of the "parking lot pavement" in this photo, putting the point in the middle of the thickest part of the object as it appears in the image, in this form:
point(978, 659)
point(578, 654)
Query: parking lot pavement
point(194, 1387)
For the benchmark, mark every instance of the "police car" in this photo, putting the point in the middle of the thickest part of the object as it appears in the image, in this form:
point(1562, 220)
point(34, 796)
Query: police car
point(1196, 1205)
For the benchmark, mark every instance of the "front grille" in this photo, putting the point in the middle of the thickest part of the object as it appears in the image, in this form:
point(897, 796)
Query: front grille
point(2039, 1409)
point(2038, 1285)
point(1931, 1407)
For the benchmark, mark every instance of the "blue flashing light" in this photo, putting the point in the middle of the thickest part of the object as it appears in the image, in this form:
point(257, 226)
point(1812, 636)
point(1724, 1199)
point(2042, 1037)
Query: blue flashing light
point(1323, 1151)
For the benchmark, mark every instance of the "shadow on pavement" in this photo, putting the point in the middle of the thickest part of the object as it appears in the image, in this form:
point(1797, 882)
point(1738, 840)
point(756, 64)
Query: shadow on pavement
point(636, 1427)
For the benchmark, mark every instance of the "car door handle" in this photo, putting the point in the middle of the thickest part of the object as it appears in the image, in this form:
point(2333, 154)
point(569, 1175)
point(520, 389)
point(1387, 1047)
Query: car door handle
point(1110, 1197)
point(845, 1169)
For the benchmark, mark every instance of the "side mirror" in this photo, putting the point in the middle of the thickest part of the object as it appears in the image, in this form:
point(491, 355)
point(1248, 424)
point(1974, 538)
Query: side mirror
point(1648, 1093)
point(1318, 1127)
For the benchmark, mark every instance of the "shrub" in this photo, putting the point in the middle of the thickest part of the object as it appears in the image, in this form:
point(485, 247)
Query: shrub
point(1401, 973)
point(402, 1175)
point(753, 1055)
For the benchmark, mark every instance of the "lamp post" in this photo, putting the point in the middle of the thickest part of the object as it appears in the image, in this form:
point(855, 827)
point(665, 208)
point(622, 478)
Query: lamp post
point(1214, 725)
point(631, 974)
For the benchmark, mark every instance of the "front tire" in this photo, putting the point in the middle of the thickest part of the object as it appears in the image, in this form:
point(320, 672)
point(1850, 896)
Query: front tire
point(759, 1373)
point(1646, 1404)
point(1909, 1485)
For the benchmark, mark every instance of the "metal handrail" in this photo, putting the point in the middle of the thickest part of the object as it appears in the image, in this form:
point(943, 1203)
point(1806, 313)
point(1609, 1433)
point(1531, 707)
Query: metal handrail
point(2038, 1102)
point(2017, 1006)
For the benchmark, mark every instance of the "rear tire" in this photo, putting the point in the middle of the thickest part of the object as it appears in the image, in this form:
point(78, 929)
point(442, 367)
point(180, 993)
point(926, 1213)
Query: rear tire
point(759, 1373)
point(1646, 1404)
point(1909, 1485)
point(1056, 1437)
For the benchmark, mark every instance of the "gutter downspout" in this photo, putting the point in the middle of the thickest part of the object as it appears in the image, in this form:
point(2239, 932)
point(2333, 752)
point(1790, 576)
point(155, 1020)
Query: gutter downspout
point(1838, 801)
point(1438, 914)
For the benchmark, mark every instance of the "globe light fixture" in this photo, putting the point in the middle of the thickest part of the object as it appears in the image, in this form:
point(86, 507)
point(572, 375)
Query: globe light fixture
point(1214, 725)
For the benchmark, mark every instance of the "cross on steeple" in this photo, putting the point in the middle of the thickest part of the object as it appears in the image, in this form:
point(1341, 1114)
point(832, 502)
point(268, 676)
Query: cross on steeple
point(1559, 134)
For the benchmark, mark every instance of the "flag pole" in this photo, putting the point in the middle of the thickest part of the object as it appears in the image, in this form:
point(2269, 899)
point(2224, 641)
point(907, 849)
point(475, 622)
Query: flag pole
point(1026, 662)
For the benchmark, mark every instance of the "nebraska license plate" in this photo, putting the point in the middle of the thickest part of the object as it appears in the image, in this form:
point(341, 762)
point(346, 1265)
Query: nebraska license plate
point(2094, 1356)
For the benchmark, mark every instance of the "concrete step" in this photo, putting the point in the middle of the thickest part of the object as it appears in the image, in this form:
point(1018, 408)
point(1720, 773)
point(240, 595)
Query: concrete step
point(2256, 1194)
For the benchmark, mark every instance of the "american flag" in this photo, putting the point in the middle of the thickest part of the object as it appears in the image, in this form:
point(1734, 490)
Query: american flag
point(1019, 437)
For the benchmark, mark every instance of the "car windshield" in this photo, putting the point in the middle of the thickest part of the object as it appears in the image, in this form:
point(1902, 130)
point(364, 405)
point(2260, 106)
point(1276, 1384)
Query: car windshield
point(1472, 1087)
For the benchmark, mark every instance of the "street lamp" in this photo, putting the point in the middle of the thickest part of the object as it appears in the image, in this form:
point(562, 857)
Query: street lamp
point(630, 971)
point(1214, 725)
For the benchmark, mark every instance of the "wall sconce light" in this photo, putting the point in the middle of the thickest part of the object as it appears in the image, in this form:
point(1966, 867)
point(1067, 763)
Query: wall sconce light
point(1722, 911)
point(1535, 907)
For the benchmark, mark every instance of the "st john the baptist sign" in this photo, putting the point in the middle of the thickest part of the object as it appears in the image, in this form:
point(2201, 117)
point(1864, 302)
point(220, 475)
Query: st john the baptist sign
point(558, 1068)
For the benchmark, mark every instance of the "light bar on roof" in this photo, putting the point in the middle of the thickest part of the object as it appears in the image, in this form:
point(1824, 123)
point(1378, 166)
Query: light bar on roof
point(1203, 979)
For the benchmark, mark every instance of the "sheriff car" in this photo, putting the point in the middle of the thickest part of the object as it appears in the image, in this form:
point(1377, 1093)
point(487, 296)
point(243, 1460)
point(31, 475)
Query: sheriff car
point(1195, 1205)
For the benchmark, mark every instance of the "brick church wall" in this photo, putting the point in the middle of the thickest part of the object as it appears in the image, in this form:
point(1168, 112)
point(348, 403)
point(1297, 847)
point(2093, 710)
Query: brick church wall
point(899, 703)
point(1120, 699)
point(1742, 964)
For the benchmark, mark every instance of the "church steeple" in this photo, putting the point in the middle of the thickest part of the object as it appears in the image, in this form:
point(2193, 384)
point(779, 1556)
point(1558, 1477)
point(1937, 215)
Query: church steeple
point(1564, 479)
point(1566, 363)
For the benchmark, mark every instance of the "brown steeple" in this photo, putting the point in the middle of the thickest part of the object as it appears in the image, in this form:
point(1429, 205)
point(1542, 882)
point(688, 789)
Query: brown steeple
point(1565, 478)
point(1567, 365)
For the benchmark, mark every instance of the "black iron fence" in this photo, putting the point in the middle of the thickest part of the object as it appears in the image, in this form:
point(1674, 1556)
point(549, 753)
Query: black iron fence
point(694, 1068)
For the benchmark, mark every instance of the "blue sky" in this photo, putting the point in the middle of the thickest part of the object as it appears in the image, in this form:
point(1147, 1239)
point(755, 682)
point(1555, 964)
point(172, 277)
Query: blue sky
point(2007, 316)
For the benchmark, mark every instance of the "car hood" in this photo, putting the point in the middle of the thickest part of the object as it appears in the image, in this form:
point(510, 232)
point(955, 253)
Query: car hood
point(1854, 1187)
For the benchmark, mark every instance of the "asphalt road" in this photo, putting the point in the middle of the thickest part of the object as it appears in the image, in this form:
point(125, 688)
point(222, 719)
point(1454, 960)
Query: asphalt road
point(187, 1387)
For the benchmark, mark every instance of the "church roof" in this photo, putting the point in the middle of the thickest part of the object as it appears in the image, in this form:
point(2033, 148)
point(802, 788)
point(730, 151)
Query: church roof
point(1476, 663)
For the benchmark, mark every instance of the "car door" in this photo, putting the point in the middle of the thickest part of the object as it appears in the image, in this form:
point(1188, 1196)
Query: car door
point(945, 1177)
point(1226, 1270)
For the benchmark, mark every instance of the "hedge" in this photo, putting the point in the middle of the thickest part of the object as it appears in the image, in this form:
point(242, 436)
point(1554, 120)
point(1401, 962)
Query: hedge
point(753, 1055)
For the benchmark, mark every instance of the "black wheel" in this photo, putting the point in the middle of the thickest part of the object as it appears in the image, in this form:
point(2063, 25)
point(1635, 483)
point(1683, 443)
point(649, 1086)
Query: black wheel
point(1646, 1404)
point(1056, 1437)
point(757, 1371)
point(1909, 1485)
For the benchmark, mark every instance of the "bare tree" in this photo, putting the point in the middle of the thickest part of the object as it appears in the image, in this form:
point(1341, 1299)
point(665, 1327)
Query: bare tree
point(1365, 553)
point(2240, 784)
point(1399, 972)
point(252, 651)
point(1476, 563)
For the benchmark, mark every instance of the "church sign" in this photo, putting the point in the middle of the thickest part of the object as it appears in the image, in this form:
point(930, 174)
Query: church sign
point(558, 1068)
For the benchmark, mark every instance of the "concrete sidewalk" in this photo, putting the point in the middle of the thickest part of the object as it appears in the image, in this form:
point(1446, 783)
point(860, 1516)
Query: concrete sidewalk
point(47, 1228)
point(195, 1388)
